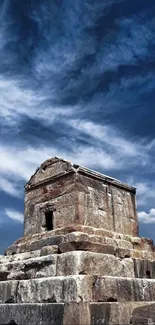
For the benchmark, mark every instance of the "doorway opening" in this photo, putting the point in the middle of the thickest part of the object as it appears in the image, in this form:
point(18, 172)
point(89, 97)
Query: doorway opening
point(49, 220)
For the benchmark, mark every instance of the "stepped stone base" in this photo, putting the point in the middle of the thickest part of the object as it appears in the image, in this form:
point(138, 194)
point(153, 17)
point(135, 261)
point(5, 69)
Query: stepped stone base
point(78, 276)
point(60, 253)
point(78, 314)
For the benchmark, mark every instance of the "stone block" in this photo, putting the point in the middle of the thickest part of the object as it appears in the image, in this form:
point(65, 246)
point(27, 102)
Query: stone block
point(22, 256)
point(48, 250)
point(47, 290)
point(8, 289)
point(104, 240)
point(136, 254)
point(122, 252)
point(17, 274)
point(148, 255)
point(35, 244)
point(93, 264)
point(135, 240)
point(106, 289)
point(144, 315)
point(44, 266)
point(86, 246)
point(103, 232)
point(32, 314)
point(124, 243)
point(77, 314)
point(76, 236)
point(144, 268)
point(122, 314)
point(101, 314)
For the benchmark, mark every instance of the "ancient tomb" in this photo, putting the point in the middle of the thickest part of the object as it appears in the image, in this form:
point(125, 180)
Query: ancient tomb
point(80, 261)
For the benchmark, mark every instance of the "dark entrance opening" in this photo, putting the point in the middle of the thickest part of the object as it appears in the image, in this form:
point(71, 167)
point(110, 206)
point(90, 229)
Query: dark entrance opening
point(148, 274)
point(49, 220)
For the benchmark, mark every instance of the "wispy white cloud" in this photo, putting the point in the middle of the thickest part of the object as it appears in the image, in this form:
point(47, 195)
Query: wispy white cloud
point(14, 215)
point(145, 190)
point(147, 217)
point(20, 163)
point(13, 163)
point(18, 101)
point(127, 43)
point(106, 134)
point(123, 151)
point(145, 193)
point(10, 187)
point(134, 39)
point(131, 43)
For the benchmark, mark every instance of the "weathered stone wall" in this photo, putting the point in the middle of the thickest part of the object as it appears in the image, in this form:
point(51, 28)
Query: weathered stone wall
point(60, 196)
point(107, 206)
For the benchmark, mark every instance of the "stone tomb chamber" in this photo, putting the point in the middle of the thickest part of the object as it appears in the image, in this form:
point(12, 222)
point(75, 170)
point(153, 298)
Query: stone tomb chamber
point(80, 260)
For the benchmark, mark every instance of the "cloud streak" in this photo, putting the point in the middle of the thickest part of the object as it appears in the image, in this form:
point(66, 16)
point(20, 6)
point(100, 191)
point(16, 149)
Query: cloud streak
point(147, 218)
point(14, 215)
point(10, 187)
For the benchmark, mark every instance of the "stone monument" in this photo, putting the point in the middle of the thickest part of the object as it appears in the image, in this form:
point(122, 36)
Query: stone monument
point(80, 261)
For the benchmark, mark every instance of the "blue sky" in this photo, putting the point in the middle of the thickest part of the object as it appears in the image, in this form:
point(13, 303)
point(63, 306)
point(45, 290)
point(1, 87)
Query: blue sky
point(77, 80)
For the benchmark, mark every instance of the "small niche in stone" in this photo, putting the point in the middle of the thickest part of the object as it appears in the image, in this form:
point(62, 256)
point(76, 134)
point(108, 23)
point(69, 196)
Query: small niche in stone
point(111, 299)
point(12, 322)
point(49, 220)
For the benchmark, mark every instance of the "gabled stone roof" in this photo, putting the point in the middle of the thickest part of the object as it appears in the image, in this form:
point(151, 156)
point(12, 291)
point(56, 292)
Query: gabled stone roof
point(57, 167)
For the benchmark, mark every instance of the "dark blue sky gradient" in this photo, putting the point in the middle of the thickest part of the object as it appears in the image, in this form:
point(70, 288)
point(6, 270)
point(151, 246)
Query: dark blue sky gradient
point(77, 80)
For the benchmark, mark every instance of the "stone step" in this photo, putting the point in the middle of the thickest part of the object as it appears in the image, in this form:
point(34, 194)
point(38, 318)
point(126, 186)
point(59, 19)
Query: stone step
point(84, 245)
point(74, 263)
point(36, 242)
point(87, 230)
point(140, 313)
point(117, 249)
point(19, 257)
point(76, 289)
point(70, 263)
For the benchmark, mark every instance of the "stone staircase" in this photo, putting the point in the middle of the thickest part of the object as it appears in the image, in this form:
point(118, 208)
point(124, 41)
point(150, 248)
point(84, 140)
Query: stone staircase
point(78, 276)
